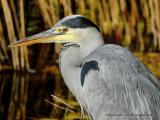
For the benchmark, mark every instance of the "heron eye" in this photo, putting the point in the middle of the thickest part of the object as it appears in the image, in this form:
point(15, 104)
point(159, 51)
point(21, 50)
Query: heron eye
point(65, 29)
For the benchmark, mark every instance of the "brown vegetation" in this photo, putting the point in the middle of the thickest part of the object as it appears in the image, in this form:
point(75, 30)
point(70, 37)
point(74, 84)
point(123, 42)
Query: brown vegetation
point(133, 24)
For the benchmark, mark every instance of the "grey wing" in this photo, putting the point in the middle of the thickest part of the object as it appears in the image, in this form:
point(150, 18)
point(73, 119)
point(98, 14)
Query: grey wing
point(116, 86)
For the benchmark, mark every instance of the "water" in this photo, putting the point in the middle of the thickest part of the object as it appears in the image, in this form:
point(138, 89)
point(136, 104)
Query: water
point(23, 95)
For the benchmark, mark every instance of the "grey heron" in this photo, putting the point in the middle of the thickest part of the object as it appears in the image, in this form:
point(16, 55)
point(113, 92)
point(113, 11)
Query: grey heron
point(107, 80)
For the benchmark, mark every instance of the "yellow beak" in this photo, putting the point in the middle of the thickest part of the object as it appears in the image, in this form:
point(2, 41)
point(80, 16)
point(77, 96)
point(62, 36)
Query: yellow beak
point(47, 36)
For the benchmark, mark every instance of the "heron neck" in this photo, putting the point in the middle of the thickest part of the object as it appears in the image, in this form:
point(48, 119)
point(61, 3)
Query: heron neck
point(70, 64)
point(89, 44)
point(72, 58)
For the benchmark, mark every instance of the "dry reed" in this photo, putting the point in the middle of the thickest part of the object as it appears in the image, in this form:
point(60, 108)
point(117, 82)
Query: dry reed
point(134, 24)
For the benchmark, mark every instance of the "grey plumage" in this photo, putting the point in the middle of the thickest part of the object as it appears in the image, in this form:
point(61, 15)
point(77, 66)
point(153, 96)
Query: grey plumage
point(124, 88)
point(116, 86)
point(107, 80)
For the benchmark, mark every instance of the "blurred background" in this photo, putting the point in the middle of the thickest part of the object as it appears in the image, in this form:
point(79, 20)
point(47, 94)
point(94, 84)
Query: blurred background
point(31, 86)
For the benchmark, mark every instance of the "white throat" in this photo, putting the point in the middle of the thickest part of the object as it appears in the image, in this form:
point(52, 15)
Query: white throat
point(73, 57)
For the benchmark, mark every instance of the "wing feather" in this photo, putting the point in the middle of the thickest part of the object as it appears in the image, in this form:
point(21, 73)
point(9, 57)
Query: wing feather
point(122, 89)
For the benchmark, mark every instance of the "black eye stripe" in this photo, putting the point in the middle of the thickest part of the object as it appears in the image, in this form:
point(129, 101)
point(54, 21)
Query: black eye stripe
point(76, 22)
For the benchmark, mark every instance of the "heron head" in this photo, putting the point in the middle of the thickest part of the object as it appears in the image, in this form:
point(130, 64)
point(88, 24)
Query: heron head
point(71, 29)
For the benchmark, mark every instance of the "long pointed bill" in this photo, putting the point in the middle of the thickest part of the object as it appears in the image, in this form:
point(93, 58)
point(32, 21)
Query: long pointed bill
point(43, 37)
